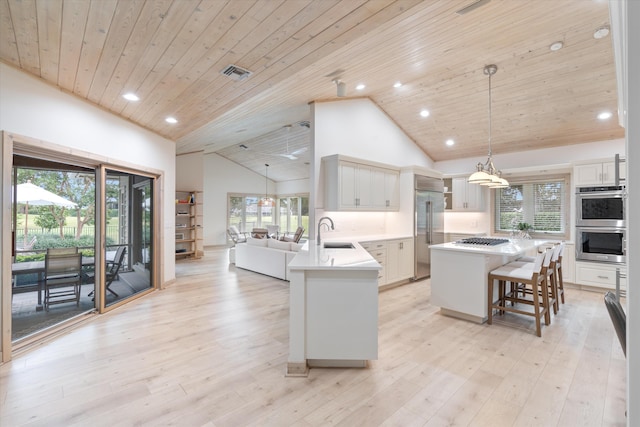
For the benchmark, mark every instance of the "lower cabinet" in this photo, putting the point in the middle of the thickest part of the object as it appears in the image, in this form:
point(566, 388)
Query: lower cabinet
point(600, 275)
point(396, 258)
point(378, 251)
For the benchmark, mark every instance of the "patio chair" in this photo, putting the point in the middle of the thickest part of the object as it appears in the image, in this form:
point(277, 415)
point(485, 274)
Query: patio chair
point(112, 269)
point(296, 236)
point(259, 233)
point(63, 278)
point(62, 251)
point(235, 235)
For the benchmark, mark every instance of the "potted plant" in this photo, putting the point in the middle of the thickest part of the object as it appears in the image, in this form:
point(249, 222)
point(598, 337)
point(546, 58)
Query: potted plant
point(525, 228)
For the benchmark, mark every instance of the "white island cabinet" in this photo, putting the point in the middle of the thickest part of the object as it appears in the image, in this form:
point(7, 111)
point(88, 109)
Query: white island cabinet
point(459, 274)
point(333, 308)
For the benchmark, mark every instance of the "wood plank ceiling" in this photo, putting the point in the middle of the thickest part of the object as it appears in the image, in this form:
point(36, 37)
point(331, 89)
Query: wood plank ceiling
point(171, 54)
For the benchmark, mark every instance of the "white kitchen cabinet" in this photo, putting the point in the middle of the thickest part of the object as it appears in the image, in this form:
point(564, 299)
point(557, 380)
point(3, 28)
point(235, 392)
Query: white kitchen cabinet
point(385, 185)
point(465, 196)
point(378, 251)
point(599, 275)
point(597, 173)
point(400, 263)
point(350, 185)
point(396, 258)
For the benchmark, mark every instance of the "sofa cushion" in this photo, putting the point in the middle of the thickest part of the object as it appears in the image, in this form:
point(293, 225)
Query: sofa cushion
point(257, 242)
point(277, 244)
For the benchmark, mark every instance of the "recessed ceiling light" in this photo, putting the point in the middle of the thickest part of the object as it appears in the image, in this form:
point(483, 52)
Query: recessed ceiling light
point(601, 32)
point(450, 142)
point(171, 120)
point(556, 46)
point(131, 97)
point(360, 87)
point(605, 115)
point(397, 84)
point(424, 113)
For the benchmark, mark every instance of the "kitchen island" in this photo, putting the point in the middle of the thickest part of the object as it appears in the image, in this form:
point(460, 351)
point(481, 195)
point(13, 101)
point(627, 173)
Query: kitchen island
point(459, 274)
point(333, 307)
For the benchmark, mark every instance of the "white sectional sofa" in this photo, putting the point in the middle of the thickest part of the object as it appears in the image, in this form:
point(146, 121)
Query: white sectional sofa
point(266, 256)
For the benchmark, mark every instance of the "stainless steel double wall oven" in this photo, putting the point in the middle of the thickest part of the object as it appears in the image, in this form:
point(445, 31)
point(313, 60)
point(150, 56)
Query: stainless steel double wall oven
point(601, 224)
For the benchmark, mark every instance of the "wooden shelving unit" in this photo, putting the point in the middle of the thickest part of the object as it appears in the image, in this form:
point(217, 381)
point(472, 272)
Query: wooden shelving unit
point(188, 225)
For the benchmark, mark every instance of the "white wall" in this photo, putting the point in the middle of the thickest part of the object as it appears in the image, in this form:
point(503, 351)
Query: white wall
point(297, 186)
point(32, 108)
point(543, 158)
point(222, 176)
point(359, 128)
point(190, 171)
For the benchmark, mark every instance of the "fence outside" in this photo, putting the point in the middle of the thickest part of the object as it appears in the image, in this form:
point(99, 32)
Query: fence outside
point(87, 230)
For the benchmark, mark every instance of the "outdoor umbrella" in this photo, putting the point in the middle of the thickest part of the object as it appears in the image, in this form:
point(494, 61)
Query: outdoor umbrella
point(31, 194)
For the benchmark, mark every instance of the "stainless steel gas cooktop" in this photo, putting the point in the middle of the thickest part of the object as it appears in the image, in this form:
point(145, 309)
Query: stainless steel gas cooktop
point(484, 241)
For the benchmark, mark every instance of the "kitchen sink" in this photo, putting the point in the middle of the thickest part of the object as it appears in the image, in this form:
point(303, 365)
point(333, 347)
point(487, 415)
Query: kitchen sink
point(338, 245)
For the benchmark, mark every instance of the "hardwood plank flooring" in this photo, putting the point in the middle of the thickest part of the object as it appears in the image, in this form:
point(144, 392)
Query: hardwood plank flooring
point(211, 350)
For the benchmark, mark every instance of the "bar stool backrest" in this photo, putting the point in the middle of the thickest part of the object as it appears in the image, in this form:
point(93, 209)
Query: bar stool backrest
point(537, 264)
point(556, 252)
point(547, 257)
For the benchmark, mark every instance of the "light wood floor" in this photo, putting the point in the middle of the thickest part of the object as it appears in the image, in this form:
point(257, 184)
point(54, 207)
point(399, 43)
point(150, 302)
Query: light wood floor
point(211, 350)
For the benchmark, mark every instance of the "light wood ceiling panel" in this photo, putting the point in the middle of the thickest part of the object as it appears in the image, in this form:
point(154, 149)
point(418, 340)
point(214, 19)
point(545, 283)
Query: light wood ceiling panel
point(170, 53)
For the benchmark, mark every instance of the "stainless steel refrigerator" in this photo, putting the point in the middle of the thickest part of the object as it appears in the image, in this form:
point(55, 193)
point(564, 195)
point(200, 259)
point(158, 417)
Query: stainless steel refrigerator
point(428, 221)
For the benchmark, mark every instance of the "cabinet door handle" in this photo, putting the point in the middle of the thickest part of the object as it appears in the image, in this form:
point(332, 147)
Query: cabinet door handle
point(603, 277)
point(401, 245)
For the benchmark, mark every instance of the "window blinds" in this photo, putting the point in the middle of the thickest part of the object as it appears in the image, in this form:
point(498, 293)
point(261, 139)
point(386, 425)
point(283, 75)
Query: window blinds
point(539, 204)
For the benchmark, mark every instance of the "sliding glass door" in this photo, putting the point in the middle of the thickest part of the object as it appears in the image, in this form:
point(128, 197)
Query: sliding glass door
point(126, 267)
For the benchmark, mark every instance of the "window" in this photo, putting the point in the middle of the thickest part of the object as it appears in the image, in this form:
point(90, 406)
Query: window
point(246, 213)
point(540, 203)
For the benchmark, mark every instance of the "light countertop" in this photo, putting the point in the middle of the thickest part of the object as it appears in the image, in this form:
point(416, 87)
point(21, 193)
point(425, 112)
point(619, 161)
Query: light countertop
point(314, 257)
point(511, 248)
point(339, 236)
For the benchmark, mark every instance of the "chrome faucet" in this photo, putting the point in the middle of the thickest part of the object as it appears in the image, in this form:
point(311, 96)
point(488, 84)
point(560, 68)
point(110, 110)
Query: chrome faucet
point(321, 223)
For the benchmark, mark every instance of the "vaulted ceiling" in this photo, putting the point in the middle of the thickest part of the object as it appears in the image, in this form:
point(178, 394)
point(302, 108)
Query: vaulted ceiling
point(171, 53)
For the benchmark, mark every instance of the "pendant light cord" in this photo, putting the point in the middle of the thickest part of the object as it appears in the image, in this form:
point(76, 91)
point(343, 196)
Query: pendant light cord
point(490, 73)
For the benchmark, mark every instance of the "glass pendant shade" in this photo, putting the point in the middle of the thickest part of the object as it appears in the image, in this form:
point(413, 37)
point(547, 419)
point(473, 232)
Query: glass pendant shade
point(480, 177)
point(487, 174)
point(502, 183)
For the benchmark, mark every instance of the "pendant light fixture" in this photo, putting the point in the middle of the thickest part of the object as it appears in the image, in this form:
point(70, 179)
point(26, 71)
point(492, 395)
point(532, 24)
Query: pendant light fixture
point(266, 201)
point(487, 174)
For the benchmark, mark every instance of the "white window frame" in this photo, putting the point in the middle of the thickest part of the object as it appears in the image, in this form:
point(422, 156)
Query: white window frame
point(566, 205)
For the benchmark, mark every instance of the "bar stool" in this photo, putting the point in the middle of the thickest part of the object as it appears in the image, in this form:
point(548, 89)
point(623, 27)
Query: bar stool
point(521, 277)
point(552, 277)
point(558, 271)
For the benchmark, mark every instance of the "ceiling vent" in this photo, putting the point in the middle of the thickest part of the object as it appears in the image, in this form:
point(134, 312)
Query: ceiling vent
point(235, 72)
point(305, 123)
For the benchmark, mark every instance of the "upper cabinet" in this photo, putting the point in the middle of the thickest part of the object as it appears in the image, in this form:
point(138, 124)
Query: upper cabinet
point(603, 173)
point(351, 185)
point(464, 196)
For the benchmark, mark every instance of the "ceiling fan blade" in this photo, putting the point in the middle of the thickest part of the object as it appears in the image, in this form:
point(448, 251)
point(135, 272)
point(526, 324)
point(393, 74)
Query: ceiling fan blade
point(288, 156)
point(299, 151)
